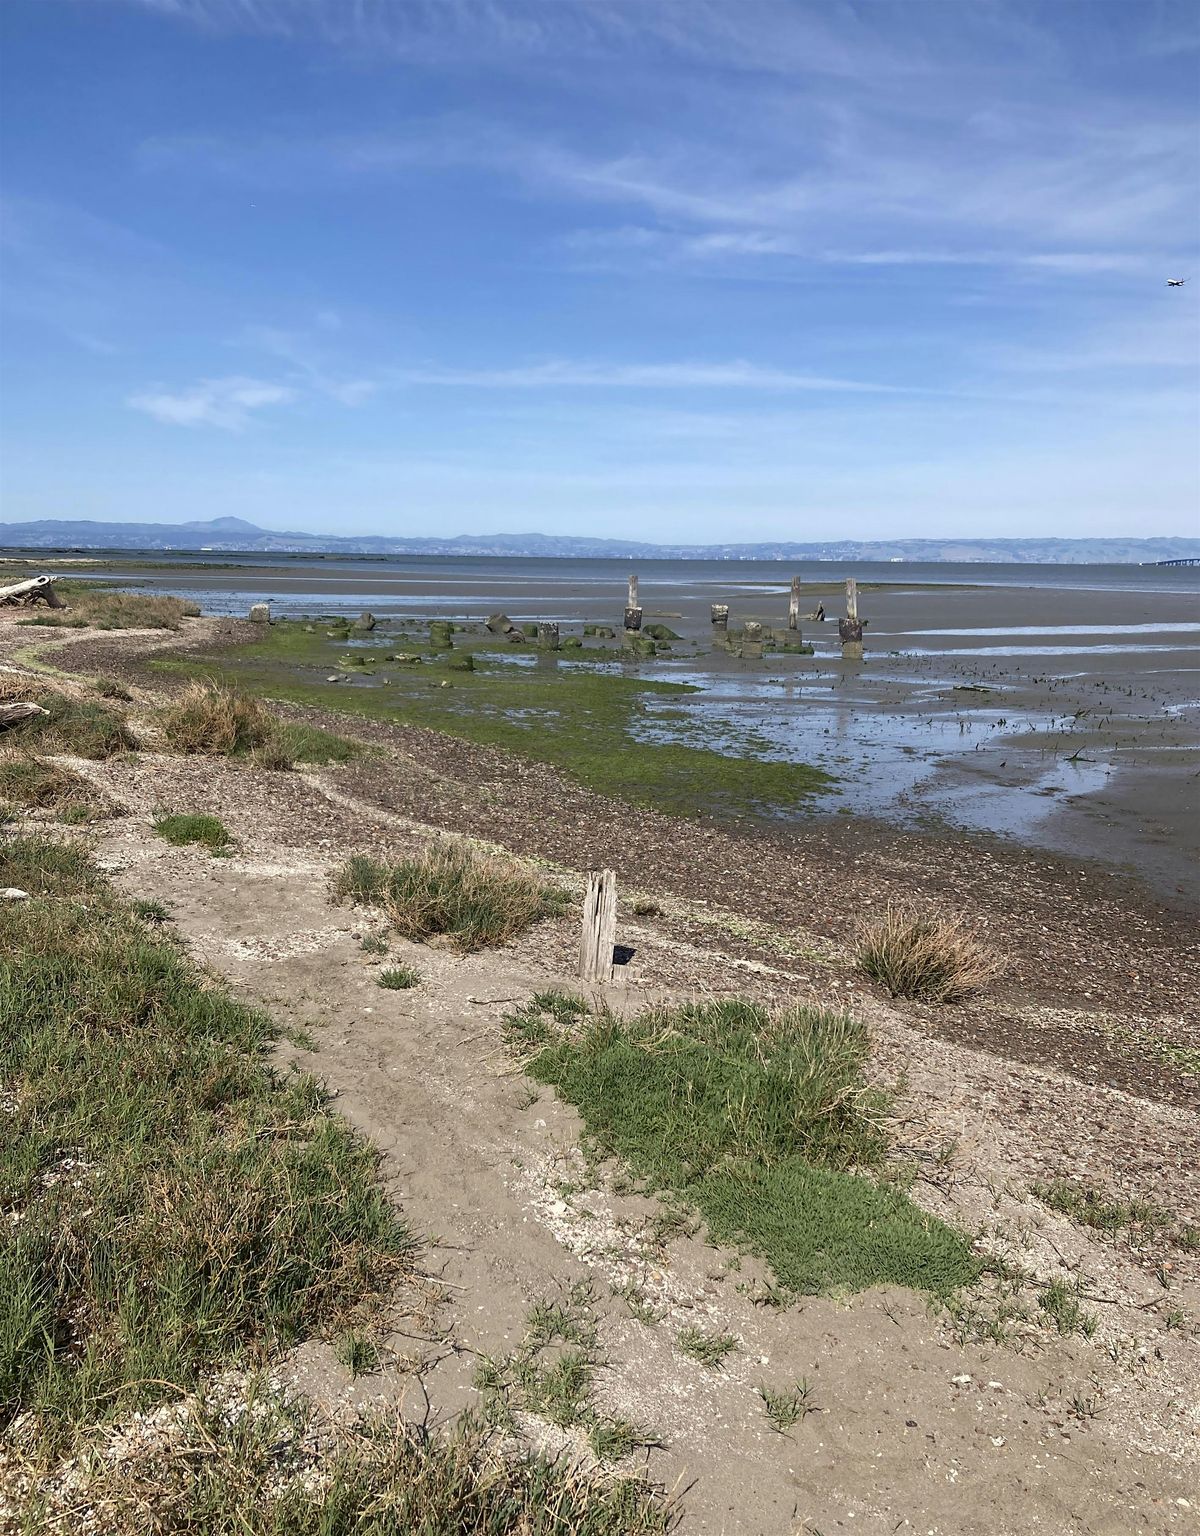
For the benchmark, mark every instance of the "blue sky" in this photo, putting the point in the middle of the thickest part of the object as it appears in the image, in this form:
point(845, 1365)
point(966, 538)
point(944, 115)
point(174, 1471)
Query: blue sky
point(685, 269)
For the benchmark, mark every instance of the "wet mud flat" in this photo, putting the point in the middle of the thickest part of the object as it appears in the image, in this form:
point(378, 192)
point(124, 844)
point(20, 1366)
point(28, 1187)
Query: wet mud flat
point(1062, 717)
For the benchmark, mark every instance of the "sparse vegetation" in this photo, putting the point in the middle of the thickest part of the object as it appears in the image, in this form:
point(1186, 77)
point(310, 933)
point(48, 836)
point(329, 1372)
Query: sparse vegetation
point(1060, 1302)
point(358, 1353)
point(182, 829)
point(1142, 1221)
point(252, 1461)
point(786, 1406)
point(710, 1349)
point(755, 1122)
point(476, 901)
point(399, 978)
point(646, 908)
point(171, 1203)
point(373, 944)
point(919, 955)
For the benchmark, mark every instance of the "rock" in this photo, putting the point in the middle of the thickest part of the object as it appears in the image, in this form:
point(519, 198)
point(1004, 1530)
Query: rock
point(13, 893)
point(260, 613)
point(365, 620)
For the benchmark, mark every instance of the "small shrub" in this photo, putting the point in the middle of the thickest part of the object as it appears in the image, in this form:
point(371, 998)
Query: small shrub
point(180, 830)
point(211, 719)
point(932, 959)
point(476, 901)
point(399, 978)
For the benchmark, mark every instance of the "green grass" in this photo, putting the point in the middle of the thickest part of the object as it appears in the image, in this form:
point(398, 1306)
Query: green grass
point(592, 726)
point(46, 786)
point(757, 1122)
point(399, 978)
point(1061, 1305)
point(90, 607)
point(476, 901)
point(710, 1349)
point(787, 1406)
point(171, 1204)
point(209, 831)
point(1105, 1213)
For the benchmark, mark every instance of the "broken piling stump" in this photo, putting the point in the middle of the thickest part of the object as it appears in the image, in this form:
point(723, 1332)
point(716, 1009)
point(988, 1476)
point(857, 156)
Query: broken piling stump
point(633, 619)
point(260, 613)
point(850, 630)
point(794, 605)
point(752, 641)
point(598, 938)
point(548, 637)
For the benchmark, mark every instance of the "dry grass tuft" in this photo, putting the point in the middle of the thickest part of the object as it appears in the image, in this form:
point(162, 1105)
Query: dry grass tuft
point(212, 719)
point(78, 726)
point(933, 959)
point(115, 610)
point(478, 902)
point(46, 786)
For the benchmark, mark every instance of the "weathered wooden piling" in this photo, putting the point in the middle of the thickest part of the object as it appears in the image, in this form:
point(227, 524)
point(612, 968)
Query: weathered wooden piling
point(631, 600)
point(794, 604)
point(547, 636)
point(752, 640)
point(850, 630)
point(633, 619)
point(598, 938)
point(719, 613)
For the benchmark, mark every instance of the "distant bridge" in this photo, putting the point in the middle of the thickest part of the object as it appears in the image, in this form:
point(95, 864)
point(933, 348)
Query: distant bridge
point(1191, 560)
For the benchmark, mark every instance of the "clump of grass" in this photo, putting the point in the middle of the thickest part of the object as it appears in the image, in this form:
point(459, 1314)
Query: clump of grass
point(476, 901)
point(930, 958)
point(214, 720)
point(373, 944)
point(399, 978)
point(710, 1349)
point(758, 1122)
point(181, 829)
point(78, 727)
point(309, 744)
point(150, 911)
point(1061, 1305)
point(44, 786)
point(92, 609)
point(1139, 1218)
point(109, 688)
point(646, 908)
point(357, 1353)
point(172, 1203)
point(786, 1406)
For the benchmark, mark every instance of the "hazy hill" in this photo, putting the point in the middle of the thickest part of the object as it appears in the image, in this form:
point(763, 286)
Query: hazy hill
point(232, 534)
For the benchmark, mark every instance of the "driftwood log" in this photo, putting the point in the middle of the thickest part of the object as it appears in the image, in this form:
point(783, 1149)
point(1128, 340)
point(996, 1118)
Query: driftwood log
point(36, 589)
point(18, 711)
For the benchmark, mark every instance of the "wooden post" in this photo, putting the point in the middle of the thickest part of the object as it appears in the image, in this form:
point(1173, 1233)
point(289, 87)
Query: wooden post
point(752, 640)
point(794, 604)
point(547, 637)
point(850, 630)
point(720, 615)
point(599, 934)
point(632, 600)
point(633, 618)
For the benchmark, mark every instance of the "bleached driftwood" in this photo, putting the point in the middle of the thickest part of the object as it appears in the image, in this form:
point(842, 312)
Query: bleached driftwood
point(36, 589)
point(14, 713)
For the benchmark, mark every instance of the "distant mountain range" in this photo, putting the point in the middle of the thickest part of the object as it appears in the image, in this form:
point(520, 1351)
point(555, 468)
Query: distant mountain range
point(231, 535)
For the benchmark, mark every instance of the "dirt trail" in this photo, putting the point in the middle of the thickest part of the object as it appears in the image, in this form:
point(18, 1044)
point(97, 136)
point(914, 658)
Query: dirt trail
point(912, 1430)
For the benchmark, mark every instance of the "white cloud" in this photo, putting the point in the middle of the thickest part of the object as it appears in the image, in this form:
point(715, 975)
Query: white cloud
point(228, 403)
point(568, 374)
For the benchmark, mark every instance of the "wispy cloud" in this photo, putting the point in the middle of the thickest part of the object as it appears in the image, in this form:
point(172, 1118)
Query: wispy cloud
point(567, 374)
point(229, 403)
